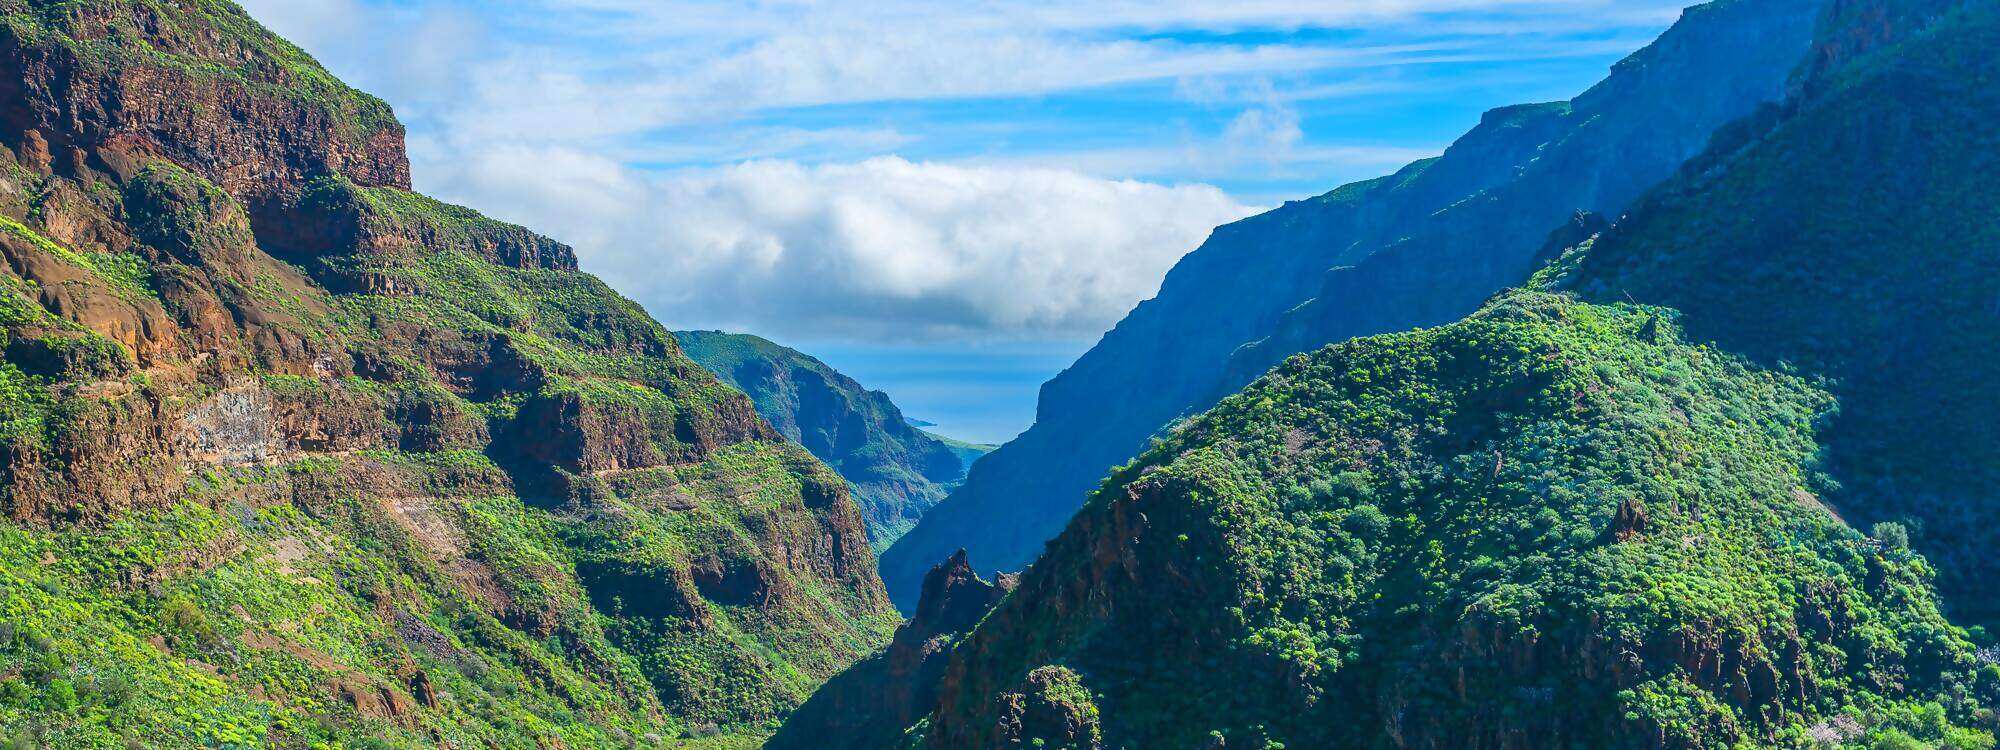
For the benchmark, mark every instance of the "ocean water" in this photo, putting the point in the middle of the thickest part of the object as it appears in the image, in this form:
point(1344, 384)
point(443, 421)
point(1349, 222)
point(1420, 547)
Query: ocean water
point(981, 393)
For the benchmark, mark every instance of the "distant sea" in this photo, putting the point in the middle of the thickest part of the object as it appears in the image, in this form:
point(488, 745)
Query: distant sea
point(980, 393)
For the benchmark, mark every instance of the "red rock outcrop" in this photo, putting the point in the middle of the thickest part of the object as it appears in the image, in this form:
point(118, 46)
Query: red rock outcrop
point(245, 110)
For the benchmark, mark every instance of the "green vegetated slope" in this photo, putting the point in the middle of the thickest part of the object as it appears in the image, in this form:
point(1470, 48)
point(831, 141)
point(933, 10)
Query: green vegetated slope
point(1423, 246)
point(966, 450)
point(1872, 270)
point(294, 457)
point(897, 471)
point(1573, 519)
point(1551, 525)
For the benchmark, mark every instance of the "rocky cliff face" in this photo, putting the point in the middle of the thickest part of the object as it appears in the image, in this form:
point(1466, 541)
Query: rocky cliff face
point(291, 456)
point(874, 703)
point(114, 85)
point(896, 470)
point(1420, 247)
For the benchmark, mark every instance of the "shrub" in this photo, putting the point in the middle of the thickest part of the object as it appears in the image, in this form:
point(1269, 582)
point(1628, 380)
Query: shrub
point(60, 696)
point(1367, 522)
point(187, 624)
point(1891, 534)
point(14, 692)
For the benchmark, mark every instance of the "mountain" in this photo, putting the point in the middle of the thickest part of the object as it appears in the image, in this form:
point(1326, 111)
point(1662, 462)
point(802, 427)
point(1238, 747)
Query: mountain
point(1578, 517)
point(896, 470)
point(1870, 272)
point(1420, 247)
point(291, 456)
point(873, 704)
point(1553, 524)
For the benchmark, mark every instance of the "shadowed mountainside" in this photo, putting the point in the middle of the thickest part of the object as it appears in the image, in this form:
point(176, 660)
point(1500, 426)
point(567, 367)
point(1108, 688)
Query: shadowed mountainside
point(1573, 519)
point(1420, 247)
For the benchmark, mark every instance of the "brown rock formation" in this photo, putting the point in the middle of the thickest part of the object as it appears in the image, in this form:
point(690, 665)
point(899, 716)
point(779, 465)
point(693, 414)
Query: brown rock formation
point(218, 294)
point(94, 103)
point(869, 706)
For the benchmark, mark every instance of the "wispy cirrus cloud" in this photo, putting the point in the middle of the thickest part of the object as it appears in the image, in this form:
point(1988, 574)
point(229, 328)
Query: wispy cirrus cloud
point(646, 18)
point(584, 69)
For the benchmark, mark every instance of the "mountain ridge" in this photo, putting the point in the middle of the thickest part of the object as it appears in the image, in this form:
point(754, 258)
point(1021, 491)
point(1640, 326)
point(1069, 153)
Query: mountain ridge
point(898, 470)
point(1864, 270)
point(1576, 517)
point(1418, 247)
point(295, 457)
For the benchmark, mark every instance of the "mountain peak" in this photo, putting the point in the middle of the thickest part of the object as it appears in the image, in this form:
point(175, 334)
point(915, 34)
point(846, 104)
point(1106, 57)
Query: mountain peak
point(1419, 248)
point(112, 85)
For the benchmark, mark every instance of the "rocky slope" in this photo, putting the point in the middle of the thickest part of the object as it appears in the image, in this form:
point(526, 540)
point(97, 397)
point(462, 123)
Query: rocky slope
point(874, 703)
point(293, 457)
point(1420, 247)
point(896, 471)
point(1581, 518)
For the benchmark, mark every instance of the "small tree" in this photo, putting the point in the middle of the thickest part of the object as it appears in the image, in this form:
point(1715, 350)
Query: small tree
point(60, 696)
point(1891, 534)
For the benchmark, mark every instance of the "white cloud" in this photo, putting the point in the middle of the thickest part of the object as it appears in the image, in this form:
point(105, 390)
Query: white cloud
point(882, 249)
point(579, 118)
point(416, 56)
point(1195, 159)
point(554, 94)
point(1266, 133)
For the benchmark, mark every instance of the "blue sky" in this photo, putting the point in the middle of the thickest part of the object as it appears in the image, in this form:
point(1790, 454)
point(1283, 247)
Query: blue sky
point(947, 200)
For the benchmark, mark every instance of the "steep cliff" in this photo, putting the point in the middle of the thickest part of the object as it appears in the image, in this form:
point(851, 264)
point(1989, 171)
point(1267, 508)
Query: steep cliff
point(873, 704)
point(1420, 247)
point(896, 471)
point(1574, 519)
point(293, 457)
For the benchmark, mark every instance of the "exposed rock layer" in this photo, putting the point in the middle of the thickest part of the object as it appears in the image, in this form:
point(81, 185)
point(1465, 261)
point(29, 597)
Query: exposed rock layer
point(873, 703)
point(301, 458)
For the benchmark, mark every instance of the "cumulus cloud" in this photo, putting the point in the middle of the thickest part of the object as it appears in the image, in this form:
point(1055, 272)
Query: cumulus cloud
point(882, 249)
point(705, 156)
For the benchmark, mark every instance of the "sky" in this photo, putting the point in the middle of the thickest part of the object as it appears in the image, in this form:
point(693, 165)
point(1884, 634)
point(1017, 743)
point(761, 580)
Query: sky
point(947, 201)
